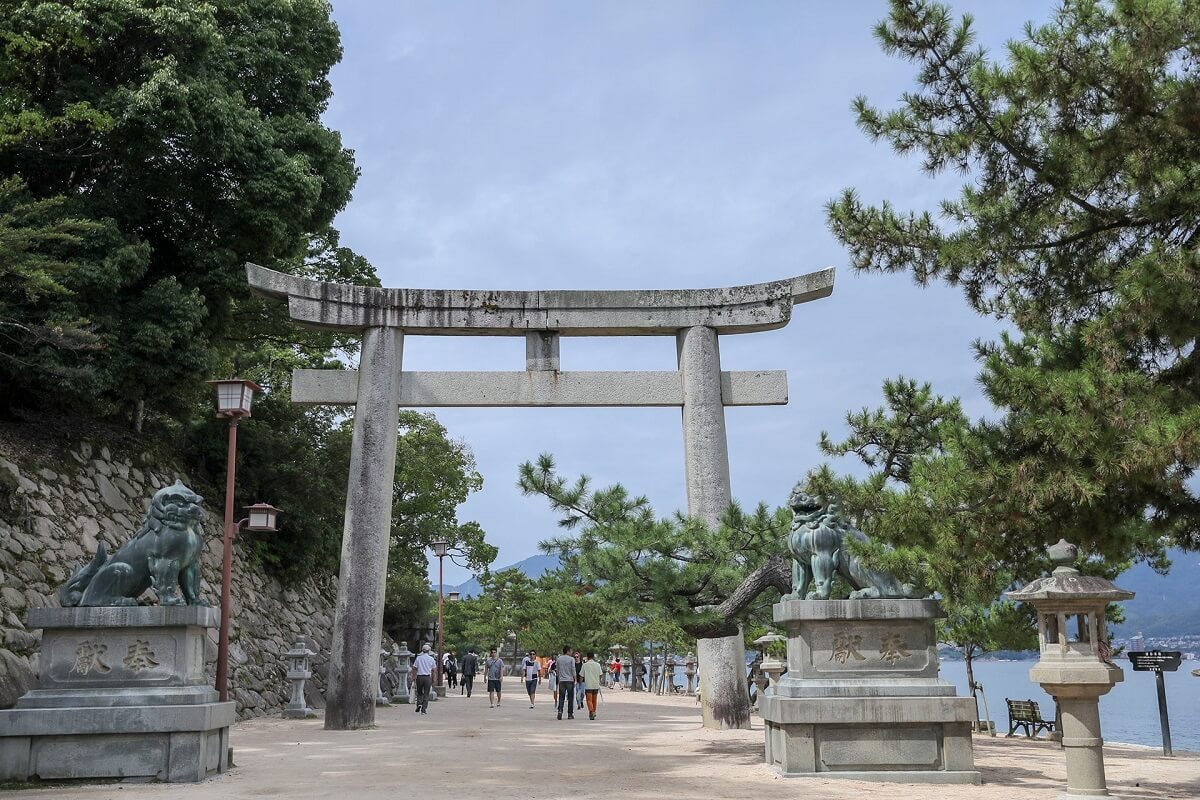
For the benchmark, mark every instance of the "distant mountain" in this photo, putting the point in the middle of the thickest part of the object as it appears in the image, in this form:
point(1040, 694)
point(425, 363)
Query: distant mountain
point(534, 566)
point(1165, 605)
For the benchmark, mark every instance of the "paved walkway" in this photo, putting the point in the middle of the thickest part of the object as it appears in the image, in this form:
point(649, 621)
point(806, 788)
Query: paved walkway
point(641, 748)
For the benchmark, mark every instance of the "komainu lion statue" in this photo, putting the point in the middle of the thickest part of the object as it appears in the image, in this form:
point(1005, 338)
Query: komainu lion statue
point(164, 554)
point(818, 544)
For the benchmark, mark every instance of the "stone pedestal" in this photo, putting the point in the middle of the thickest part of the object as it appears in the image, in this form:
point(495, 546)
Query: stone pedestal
point(862, 698)
point(121, 694)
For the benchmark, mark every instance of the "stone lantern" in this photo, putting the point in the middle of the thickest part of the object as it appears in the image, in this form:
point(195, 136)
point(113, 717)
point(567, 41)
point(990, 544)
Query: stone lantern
point(771, 666)
point(1076, 665)
point(403, 667)
point(299, 670)
point(627, 671)
point(689, 671)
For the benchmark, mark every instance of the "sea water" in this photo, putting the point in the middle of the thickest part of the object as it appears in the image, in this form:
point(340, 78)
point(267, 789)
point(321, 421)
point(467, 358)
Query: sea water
point(1128, 714)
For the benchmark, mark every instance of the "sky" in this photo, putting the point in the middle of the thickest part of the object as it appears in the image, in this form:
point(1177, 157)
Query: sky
point(627, 145)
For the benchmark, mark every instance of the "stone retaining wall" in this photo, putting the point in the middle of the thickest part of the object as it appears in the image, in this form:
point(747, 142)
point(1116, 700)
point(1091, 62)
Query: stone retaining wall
point(57, 505)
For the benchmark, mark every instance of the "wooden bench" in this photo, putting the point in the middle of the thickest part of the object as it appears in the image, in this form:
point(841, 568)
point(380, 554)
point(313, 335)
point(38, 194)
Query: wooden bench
point(1026, 715)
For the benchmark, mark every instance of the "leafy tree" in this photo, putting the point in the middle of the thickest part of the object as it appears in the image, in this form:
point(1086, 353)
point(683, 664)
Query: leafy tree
point(1077, 228)
point(147, 150)
point(705, 580)
point(930, 518)
point(544, 614)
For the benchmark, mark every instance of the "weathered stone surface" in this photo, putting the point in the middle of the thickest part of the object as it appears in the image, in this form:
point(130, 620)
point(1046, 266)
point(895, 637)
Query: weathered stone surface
point(539, 388)
point(862, 698)
point(135, 701)
point(111, 494)
point(354, 660)
point(16, 677)
point(62, 521)
point(736, 309)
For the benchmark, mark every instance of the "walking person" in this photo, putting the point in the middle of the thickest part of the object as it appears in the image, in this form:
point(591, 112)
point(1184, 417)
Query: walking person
point(593, 675)
point(494, 668)
point(578, 679)
point(565, 667)
point(423, 666)
point(552, 679)
point(451, 670)
point(532, 673)
point(470, 665)
point(616, 673)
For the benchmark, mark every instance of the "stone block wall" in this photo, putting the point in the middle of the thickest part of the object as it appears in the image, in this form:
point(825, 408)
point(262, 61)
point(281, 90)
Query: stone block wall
point(58, 502)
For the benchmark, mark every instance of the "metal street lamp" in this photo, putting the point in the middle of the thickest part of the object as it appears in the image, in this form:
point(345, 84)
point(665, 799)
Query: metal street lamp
point(440, 548)
point(234, 397)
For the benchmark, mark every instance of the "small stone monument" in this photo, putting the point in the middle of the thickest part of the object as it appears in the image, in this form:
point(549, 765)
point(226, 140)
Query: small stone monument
point(861, 698)
point(299, 670)
point(689, 672)
point(1076, 665)
point(403, 667)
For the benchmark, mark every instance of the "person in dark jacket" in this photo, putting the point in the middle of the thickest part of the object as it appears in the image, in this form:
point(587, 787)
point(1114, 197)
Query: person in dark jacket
point(470, 665)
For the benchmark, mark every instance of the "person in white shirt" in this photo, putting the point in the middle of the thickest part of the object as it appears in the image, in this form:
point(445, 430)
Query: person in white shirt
point(532, 670)
point(423, 666)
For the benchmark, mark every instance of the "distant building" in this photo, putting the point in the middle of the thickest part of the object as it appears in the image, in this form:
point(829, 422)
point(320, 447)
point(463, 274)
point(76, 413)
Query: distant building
point(1138, 642)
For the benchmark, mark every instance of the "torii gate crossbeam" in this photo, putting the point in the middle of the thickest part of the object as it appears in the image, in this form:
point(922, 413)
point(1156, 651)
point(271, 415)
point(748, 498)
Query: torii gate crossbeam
point(379, 387)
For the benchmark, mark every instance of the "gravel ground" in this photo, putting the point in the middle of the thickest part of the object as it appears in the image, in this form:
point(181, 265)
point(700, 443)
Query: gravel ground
point(640, 747)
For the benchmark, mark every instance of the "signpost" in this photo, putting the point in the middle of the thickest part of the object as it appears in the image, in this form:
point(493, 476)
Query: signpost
point(1157, 661)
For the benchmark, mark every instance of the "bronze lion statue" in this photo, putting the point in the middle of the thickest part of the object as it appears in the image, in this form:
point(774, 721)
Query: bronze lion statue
point(163, 554)
point(818, 544)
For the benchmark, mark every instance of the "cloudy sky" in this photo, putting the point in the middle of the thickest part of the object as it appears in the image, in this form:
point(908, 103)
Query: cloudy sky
point(576, 145)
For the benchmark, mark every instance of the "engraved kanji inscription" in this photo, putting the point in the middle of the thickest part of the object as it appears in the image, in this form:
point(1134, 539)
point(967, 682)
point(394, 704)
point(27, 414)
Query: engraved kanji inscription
point(140, 657)
point(90, 656)
point(845, 647)
point(892, 648)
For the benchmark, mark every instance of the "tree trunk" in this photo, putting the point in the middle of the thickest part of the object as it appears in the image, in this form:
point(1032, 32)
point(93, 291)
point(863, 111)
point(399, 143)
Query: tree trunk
point(775, 574)
point(724, 695)
point(968, 656)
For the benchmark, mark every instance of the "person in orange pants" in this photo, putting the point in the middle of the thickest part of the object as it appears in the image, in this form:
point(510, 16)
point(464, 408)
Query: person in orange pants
point(592, 673)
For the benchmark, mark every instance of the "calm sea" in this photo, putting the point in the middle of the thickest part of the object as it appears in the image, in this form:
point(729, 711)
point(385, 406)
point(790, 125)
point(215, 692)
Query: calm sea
point(1129, 713)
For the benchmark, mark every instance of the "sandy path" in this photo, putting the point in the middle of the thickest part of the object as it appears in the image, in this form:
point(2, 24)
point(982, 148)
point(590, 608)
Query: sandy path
point(641, 747)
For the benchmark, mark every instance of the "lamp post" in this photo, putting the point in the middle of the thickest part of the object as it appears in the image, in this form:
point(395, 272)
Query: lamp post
point(233, 402)
point(439, 549)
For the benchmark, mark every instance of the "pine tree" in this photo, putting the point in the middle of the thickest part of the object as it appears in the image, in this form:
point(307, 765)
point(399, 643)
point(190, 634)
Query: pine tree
point(1077, 227)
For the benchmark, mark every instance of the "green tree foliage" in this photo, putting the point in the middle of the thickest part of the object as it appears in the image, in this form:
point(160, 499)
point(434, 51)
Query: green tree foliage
point(1077, 227)
point(544, 614)
point(147, 150)
point(434, 476)
point(930, 519)
point(677, 566)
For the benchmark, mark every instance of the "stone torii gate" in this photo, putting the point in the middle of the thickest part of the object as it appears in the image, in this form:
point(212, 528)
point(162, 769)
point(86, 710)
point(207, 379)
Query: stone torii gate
point(378, 388)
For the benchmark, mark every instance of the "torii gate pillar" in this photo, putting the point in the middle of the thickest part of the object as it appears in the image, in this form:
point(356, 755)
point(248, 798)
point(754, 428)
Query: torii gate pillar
point(377, 390)
point(706, 467)
point(354, 656)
